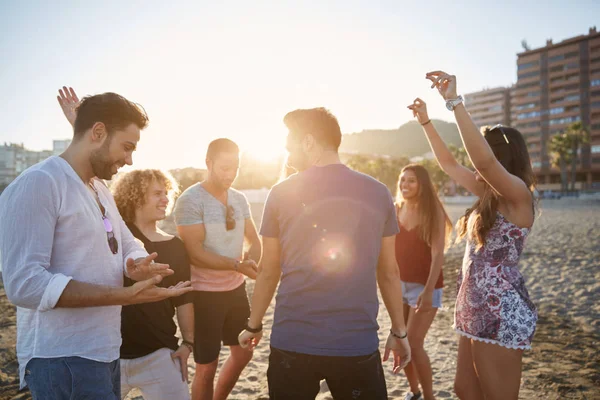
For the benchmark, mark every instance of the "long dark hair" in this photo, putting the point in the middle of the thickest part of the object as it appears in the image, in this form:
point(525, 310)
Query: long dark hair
point(429, 203)
point(510, 150)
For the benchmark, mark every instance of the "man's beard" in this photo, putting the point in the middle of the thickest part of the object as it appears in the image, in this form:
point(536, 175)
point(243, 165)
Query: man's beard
point(101, 163)
point(299, 162)
point(222, 184)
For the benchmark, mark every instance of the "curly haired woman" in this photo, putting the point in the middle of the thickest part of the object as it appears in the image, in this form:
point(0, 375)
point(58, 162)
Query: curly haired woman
point(152, 359)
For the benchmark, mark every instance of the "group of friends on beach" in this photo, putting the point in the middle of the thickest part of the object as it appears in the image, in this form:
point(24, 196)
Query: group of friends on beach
point(97, 284)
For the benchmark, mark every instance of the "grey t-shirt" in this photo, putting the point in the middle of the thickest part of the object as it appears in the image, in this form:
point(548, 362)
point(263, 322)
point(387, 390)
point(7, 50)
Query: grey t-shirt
point(198, 206)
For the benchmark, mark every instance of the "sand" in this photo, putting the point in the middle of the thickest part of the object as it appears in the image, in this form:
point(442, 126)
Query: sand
point(561, 264)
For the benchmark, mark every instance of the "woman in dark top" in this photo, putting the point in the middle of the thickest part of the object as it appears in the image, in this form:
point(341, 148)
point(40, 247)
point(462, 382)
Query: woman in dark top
point(152, 359)
point(424, 227)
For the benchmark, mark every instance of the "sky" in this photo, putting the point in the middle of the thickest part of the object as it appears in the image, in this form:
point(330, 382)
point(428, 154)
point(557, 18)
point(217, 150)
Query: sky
point(206, 69)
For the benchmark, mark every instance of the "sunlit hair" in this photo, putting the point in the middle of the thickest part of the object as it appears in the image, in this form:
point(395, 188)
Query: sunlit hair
point(113, 110)
point(222, 145)
point(319, 122)
point(130, 190)
point(429, 204)
point(510, 150)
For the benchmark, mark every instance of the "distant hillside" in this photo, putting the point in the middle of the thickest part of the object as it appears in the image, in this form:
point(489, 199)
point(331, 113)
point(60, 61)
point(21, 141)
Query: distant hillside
point(408, 140)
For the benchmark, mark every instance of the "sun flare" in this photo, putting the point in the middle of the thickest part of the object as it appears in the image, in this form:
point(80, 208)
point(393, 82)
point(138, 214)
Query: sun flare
point(266, 149)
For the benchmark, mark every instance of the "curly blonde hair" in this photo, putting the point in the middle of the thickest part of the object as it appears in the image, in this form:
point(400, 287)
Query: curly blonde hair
point(130, 189)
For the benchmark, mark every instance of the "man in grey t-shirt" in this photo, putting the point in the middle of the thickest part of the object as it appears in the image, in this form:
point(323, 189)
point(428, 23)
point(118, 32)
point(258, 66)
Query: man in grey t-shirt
point(214, 220)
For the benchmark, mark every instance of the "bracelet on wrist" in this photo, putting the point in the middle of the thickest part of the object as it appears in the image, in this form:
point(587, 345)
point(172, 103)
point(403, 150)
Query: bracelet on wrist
point(189, 345)
point(399, 336)
point(253, 330)
point(236, 266)
point(425, 123)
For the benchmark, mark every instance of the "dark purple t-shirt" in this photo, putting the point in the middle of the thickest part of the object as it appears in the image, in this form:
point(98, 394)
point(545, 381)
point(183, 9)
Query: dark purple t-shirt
point(330, 222)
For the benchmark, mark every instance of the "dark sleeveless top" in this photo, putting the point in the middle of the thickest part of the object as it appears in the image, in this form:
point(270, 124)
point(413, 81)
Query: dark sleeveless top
point(414, 257)
point(148, 327)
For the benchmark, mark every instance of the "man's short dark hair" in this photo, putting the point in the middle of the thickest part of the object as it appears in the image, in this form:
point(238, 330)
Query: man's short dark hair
point(115, 111)
point(219, 146)
point(319, 122)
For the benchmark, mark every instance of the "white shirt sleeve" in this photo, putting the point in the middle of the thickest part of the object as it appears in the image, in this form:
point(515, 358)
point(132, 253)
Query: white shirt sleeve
point(29, 209)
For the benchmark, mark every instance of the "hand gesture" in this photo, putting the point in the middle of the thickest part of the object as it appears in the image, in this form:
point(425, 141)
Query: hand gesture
point(249, 340)
point(425, 301)
point(401, 351)
point(147, 291)
point(182, 354)
point(68, 101)
point(146, 268)
point(248, 268)
point(419, 109)
point(445, 83)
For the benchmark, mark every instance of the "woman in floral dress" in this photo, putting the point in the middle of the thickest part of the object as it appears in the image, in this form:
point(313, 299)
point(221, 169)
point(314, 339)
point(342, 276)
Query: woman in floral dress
point(494, 315)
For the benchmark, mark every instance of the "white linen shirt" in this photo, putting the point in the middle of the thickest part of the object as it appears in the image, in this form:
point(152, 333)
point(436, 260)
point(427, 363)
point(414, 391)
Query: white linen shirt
point(51, 231)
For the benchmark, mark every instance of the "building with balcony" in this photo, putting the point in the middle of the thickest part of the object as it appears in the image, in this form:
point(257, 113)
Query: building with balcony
point(559, 84)
point(490, 106)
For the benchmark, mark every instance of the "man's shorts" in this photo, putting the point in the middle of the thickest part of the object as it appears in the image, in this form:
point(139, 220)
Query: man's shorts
point(218, 317)
point(411, 291)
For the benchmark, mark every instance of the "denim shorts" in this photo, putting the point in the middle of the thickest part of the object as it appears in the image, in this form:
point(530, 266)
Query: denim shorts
point(411, 291)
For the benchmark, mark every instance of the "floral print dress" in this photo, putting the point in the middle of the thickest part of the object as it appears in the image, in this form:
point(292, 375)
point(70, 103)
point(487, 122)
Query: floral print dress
point(493, 304)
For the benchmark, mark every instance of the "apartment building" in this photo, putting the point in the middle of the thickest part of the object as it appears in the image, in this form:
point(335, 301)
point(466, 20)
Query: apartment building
point(59, 146)
point(15, 158)
point(490, 106)
point(559, 84)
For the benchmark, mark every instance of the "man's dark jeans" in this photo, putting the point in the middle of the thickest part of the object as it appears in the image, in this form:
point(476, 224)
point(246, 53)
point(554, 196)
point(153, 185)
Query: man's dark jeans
point(296, 376)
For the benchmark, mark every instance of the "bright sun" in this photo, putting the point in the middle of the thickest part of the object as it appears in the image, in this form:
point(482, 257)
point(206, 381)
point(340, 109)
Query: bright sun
point(265, 149)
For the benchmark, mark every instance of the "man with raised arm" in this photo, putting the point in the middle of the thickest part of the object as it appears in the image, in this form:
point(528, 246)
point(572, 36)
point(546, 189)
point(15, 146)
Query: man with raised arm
point(328, 240)
point(64, 249)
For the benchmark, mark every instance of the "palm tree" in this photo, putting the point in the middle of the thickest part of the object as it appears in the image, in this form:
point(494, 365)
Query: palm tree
point(560, 148)
point(579, 135)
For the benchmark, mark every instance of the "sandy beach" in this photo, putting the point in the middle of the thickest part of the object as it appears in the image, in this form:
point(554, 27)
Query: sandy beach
point(561, 265)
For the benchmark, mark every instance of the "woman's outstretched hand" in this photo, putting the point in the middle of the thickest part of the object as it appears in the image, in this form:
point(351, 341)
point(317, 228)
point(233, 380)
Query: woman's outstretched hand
point(419, 109)
point(445, 83)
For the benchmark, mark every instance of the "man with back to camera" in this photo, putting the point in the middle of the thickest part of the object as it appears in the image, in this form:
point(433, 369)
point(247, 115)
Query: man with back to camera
point(64, 250)
point(213, 220)
point(328, 240)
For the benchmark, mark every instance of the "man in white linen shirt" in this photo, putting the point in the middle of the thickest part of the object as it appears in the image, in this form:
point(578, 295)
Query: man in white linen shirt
point(64, 249)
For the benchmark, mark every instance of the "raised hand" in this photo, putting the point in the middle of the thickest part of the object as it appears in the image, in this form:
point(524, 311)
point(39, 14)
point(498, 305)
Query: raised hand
point(249, 340)
point(68, 101)
point(145, 268)
point(147, 292)
point(445, 83)
point(419, 109)
point(401, 352)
